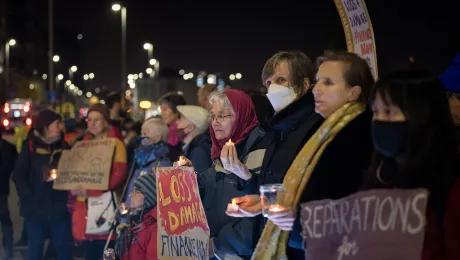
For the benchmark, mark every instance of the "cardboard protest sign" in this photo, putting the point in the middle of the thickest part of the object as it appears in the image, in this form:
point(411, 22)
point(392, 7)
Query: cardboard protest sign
point(375, 224)
point(183, 231)
point(86, 166)
point(358, 30)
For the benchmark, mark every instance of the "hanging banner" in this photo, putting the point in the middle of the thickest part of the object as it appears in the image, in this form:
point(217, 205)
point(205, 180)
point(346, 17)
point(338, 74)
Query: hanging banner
point(358, 30)
point(374, 224)
point(183, 231)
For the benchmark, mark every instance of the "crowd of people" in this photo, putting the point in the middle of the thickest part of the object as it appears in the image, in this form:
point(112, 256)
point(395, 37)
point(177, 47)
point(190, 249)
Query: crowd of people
point(324, 132)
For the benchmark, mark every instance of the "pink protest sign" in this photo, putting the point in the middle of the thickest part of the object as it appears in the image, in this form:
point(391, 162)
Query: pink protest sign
point(375, 224)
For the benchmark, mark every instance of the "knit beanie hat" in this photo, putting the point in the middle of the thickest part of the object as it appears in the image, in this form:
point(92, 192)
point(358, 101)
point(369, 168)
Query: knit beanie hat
point(45, 118)
point(101, 108)
point(147, 185)
point(451, 77)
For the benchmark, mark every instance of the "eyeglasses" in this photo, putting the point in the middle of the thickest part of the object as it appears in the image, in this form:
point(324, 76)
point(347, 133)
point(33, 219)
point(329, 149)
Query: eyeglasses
point(220, 118)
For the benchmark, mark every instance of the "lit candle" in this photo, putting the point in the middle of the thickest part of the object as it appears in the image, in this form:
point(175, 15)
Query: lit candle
point(123, 209)
point(229, 142)
point(53, 174)
point(276, 208)
point(232, 207)
point(181, 161)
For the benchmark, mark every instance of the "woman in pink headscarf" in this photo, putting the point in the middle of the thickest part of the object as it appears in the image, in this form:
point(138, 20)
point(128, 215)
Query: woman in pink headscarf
point(237, 152)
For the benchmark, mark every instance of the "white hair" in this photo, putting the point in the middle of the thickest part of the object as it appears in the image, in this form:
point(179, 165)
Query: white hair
point(219, 95)
point(159, 126)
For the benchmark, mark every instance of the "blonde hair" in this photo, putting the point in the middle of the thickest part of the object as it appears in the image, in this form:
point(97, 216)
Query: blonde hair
point(160, 127)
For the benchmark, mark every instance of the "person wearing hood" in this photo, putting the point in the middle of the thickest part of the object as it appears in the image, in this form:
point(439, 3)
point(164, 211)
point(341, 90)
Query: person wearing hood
point(451, 81)
point(192, 130)
point(237, 151)
point(8, 155)
point(99, 127)
point(43, 208)
point(137, 238)
point(151, 153)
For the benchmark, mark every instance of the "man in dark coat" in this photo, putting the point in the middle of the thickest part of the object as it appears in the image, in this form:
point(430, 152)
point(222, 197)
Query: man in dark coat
point(8, 155)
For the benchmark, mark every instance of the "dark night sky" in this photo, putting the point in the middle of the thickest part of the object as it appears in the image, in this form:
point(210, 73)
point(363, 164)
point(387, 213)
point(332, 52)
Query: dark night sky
point(230, 36)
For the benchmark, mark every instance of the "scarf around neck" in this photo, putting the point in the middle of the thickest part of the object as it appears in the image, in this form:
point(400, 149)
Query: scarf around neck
point(273, 242)
point(145, 155)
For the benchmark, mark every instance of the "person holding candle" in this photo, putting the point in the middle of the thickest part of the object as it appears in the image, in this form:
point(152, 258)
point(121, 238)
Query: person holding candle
point(237, 152)
point(151, 153)
point(338, 153)
point(98, 128)
point(43, 208)
point(192, 130)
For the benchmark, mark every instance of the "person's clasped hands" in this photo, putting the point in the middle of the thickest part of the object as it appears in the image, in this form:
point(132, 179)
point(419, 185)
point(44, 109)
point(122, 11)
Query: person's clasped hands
point(231, 162)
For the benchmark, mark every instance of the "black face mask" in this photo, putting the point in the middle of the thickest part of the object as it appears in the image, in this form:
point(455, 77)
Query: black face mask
point(390, 138)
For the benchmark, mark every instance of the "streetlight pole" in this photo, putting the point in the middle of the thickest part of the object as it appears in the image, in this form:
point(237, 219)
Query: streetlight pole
point(50, 46)
point(123, 46)
point(8, 44)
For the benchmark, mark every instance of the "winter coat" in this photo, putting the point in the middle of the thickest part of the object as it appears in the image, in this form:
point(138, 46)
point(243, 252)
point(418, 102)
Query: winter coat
point(8, 155)
point(231, 235)
point(143, 244)
point(38, 199)
point(198, 151)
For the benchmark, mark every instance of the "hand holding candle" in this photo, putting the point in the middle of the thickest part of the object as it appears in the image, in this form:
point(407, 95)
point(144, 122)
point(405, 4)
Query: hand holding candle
point(53, 175)
point(232, 207)
point(230, 142)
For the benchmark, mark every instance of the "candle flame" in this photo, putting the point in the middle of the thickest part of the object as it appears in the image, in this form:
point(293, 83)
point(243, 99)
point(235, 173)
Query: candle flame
point(53, 174)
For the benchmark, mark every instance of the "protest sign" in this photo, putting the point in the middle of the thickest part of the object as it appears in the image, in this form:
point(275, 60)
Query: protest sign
point(358, 30)
point(183, 231)
point(86, 166)
point(375, 224)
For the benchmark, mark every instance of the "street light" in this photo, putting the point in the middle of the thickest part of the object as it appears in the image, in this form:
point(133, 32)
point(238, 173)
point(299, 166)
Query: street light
point(73, 68)
point(148, 46)
point(149, 71)
point(85, 77)
point(9, 44)
point(56, 58)
point(116, 8)
point(238, 76)
point(91, 75)
point(68, 83)
point(153, 61)
point(232, 77)
point(60, 77)
point(44, 76)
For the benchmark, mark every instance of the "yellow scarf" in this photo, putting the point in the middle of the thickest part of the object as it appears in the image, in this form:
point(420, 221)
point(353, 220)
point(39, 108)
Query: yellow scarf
point(272, 244)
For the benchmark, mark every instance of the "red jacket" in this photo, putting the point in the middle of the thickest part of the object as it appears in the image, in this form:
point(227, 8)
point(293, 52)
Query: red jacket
point(117, 179)
point(145, 245)
point(435, 247)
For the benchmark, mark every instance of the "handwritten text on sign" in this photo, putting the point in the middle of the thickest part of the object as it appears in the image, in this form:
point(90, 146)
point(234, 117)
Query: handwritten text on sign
point(375, 224)
point(183, 229)
point(358, 30)
point(86, 166)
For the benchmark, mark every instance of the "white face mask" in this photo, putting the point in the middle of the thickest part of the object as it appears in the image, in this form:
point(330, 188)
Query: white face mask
point(280, 96)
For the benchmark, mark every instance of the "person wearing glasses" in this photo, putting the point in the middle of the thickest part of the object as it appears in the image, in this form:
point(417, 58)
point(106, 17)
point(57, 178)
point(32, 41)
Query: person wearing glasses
point(451, 81)
point(237, 153)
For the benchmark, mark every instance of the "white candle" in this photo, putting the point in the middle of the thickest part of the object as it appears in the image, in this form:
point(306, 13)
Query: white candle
point(276, 208)
point(123, 209)
point(181, 161)
point(53, 174)
point(232, 207)
point(229, 142)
